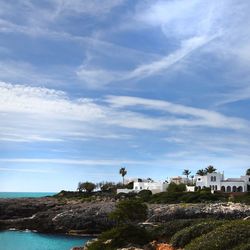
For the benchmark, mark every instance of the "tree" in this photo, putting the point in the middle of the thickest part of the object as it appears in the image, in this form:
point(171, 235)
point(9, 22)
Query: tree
point(79, 187)
point(186, 172)
point(201, 172)
point(129, 211)
point(210, 169)
point(87, 186)
point(107, 186)
point(123, 172)
point(248, 172)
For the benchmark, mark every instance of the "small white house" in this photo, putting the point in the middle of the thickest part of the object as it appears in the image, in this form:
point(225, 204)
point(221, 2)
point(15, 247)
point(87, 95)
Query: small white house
point(216, 181)
point(153, 186)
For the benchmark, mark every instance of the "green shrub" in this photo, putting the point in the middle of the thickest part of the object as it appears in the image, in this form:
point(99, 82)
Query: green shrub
point(243, 246)
point(145, 195)
point(128, 211)
point(165, 197)
point(184, 236)
point(244, 198)
point(173, 187)
point(226, 236)
point(168, 229)
point(120, 237)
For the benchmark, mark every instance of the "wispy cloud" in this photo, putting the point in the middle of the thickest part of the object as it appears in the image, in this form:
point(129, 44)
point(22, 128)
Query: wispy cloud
point(80, 162)
point(198, 117)
point(27, 170)
point(35, 114)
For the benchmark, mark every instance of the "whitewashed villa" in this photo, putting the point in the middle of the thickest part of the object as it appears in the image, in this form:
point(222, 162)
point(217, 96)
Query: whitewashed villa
point(148, 184)
point(215, 181)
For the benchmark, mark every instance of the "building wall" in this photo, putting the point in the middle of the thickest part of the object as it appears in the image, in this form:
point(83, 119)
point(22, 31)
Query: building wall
point(216, 181)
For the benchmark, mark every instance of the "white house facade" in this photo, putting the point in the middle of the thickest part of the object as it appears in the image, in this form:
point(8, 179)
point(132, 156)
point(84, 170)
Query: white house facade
point(153, 186)
point(216, 182)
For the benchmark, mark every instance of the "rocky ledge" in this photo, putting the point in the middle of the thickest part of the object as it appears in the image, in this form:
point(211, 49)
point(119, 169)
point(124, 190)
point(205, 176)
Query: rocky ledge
point(88, 218)
point(51, 215)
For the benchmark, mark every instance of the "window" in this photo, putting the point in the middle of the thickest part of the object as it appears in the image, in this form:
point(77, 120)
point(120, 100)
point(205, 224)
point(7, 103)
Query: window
point(213, 178)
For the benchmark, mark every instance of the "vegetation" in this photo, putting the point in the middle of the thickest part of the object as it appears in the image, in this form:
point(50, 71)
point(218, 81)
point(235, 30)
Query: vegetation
point(186, 235)
point(201, 172)
point(226, 236)
point(129, 211)
point(145, 195)
point(168, 229)
point(123, 172)
point(173, 187)
point(248, 172)
point(186, 172)
point(121, 236)
point(243, 198)
point(86, 186)
point(210, 169)
point(126, 215)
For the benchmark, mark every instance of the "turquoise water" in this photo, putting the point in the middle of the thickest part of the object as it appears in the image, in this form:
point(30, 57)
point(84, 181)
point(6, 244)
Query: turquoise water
point(13, 240)
point(23, 194)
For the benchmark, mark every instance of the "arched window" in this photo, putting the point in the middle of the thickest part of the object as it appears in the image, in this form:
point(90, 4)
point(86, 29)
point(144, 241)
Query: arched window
point(228, 189)
point(214, 178)
point(239, 189)
point(234, 189)
point(223, 188)
point(215, 187)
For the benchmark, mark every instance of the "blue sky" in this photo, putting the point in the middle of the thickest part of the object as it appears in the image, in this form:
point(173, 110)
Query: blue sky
point(87, 87)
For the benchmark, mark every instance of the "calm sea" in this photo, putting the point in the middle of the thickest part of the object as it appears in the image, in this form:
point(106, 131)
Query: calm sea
point(23, 194)
point(13, 240)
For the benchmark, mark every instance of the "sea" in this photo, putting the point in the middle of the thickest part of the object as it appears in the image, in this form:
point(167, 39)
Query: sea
point(28, 240)
point(25, 194)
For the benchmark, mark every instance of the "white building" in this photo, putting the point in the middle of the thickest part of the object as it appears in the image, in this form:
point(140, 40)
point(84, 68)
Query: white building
point(153, 186)
point(216, 181)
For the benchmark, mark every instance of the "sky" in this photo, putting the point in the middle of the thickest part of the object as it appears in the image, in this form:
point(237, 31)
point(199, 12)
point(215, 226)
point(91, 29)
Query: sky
point(88, 87)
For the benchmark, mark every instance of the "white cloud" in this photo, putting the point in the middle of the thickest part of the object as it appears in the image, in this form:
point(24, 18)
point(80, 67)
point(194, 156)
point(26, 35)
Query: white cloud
point(27, 170)
point(47, 115)
point(197, 117)
point(81, 162)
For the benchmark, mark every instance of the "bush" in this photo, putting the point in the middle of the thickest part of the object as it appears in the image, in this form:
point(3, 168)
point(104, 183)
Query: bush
point(226, 236)
point(168, 229)
point(173, 187)
point(244, 198)
point(145, 195)
point(165, 197)
point(120, 237)
point(244, 246)
point(184, 236)
point(187, 197)
point(128, 211)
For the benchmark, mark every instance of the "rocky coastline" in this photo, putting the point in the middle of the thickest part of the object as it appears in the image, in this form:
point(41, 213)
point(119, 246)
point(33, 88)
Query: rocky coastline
point(51, 215)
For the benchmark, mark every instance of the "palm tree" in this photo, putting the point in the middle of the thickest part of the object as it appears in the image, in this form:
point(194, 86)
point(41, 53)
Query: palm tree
point(248, 172)
point(123, 172)
point(201, 172)
point(186, 172)
point(210, 169)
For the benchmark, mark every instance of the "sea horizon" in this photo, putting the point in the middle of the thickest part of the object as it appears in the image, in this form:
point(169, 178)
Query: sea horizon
point(25, 194)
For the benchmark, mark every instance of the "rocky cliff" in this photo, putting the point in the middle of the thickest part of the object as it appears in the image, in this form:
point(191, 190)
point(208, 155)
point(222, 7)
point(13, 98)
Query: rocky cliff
point(75, 217)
